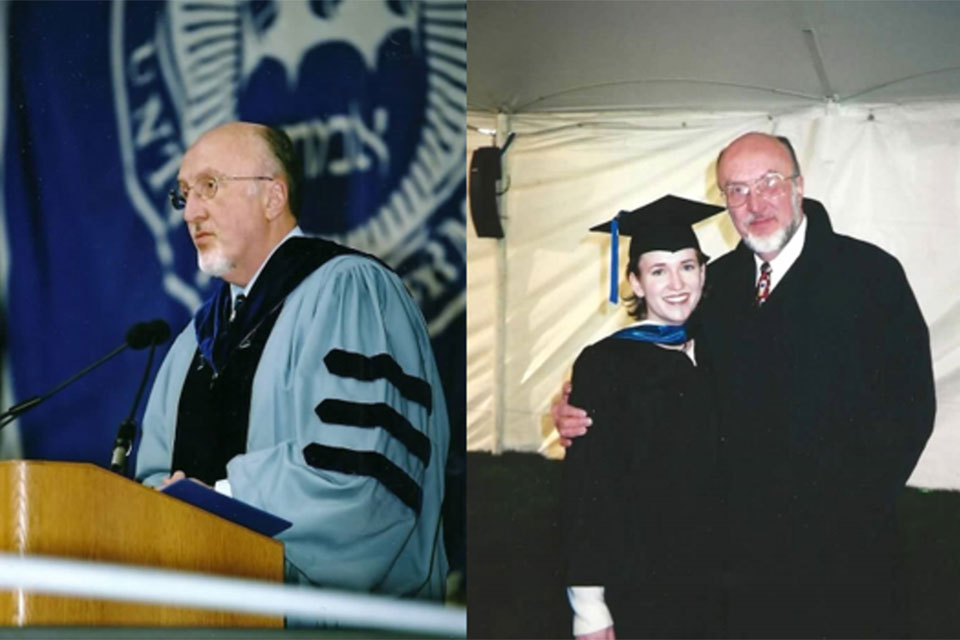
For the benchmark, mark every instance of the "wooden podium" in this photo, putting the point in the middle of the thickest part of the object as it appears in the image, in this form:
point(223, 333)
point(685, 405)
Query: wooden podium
point(81, 511)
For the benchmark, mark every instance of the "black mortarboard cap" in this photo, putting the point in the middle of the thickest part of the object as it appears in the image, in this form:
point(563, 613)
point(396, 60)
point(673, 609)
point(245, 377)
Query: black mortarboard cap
point(663, 225)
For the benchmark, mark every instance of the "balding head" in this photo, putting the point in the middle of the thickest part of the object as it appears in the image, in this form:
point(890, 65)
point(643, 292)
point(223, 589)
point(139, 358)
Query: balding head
point(756, 140)
point(237, 203)
point(274, 149)
point(766, 168)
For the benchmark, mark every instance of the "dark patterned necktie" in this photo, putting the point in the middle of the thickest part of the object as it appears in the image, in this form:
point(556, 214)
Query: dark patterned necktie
point(763, 284)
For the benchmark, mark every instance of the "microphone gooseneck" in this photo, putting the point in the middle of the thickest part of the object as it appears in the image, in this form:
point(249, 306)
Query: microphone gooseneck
point(17, 410)
point(140, 335)
point(154, 333)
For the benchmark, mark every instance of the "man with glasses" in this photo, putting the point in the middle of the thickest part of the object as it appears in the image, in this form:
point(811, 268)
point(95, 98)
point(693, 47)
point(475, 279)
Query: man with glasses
point(821, 365)
point(305, 385)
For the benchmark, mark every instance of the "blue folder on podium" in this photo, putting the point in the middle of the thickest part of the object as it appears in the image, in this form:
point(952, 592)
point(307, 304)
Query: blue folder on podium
point(231, 509)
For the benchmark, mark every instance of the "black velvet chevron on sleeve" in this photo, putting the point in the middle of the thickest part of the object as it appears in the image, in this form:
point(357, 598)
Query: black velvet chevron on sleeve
point(347, 364)
point(366, 463)
point(358, 414)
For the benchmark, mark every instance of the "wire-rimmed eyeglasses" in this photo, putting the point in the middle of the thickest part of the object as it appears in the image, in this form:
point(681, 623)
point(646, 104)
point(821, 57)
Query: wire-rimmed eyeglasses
point(206, 186)
point(769, 186)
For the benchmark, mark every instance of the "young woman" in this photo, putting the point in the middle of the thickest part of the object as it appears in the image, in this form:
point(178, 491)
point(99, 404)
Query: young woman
point(641, 487)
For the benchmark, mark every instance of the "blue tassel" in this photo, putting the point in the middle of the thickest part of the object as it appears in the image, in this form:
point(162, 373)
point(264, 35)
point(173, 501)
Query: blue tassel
point(614, 257)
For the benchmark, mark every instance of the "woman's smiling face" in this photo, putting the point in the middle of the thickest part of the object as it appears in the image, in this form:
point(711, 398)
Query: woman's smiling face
point(671, 283)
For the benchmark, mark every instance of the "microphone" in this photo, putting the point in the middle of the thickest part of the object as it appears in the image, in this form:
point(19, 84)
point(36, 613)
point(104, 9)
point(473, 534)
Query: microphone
point(140, 335)
point(146, 334)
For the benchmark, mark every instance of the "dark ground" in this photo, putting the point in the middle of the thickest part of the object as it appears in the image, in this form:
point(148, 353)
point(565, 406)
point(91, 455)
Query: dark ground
point(515, 586)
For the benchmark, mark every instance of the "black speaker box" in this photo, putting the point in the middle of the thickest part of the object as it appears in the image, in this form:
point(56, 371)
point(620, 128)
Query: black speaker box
point(484, 174)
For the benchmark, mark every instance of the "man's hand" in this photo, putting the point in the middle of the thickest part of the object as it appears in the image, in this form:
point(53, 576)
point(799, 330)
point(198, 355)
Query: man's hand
point(179, 475)
point(602, 634)
point(569, 421)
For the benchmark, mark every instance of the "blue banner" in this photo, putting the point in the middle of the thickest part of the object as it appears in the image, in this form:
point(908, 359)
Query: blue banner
point(101, 101)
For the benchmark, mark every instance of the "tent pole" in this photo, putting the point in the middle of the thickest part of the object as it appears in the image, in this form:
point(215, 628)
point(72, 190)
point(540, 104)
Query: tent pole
point(503, 127)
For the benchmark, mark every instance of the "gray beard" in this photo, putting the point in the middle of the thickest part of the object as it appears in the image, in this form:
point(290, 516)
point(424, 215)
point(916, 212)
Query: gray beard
point(772, 243)
point(213, 263)
point(775, 242)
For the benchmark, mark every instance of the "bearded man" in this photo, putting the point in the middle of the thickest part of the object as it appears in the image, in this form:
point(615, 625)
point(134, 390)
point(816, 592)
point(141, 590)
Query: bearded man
point(305, 385)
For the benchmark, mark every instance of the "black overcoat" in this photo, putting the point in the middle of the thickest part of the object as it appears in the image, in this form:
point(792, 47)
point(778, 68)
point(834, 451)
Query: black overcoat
point(825, 400)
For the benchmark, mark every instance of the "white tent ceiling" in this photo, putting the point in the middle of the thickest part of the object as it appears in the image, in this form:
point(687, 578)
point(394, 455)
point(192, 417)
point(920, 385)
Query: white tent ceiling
point(544, 55)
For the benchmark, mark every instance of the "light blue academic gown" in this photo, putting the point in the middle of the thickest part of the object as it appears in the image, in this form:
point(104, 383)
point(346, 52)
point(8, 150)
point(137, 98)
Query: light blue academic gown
point(349, 531)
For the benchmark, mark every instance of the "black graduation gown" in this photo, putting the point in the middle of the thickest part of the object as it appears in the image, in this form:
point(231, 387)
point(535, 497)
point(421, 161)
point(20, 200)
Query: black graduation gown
point(825, 397)
point(641, 492)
